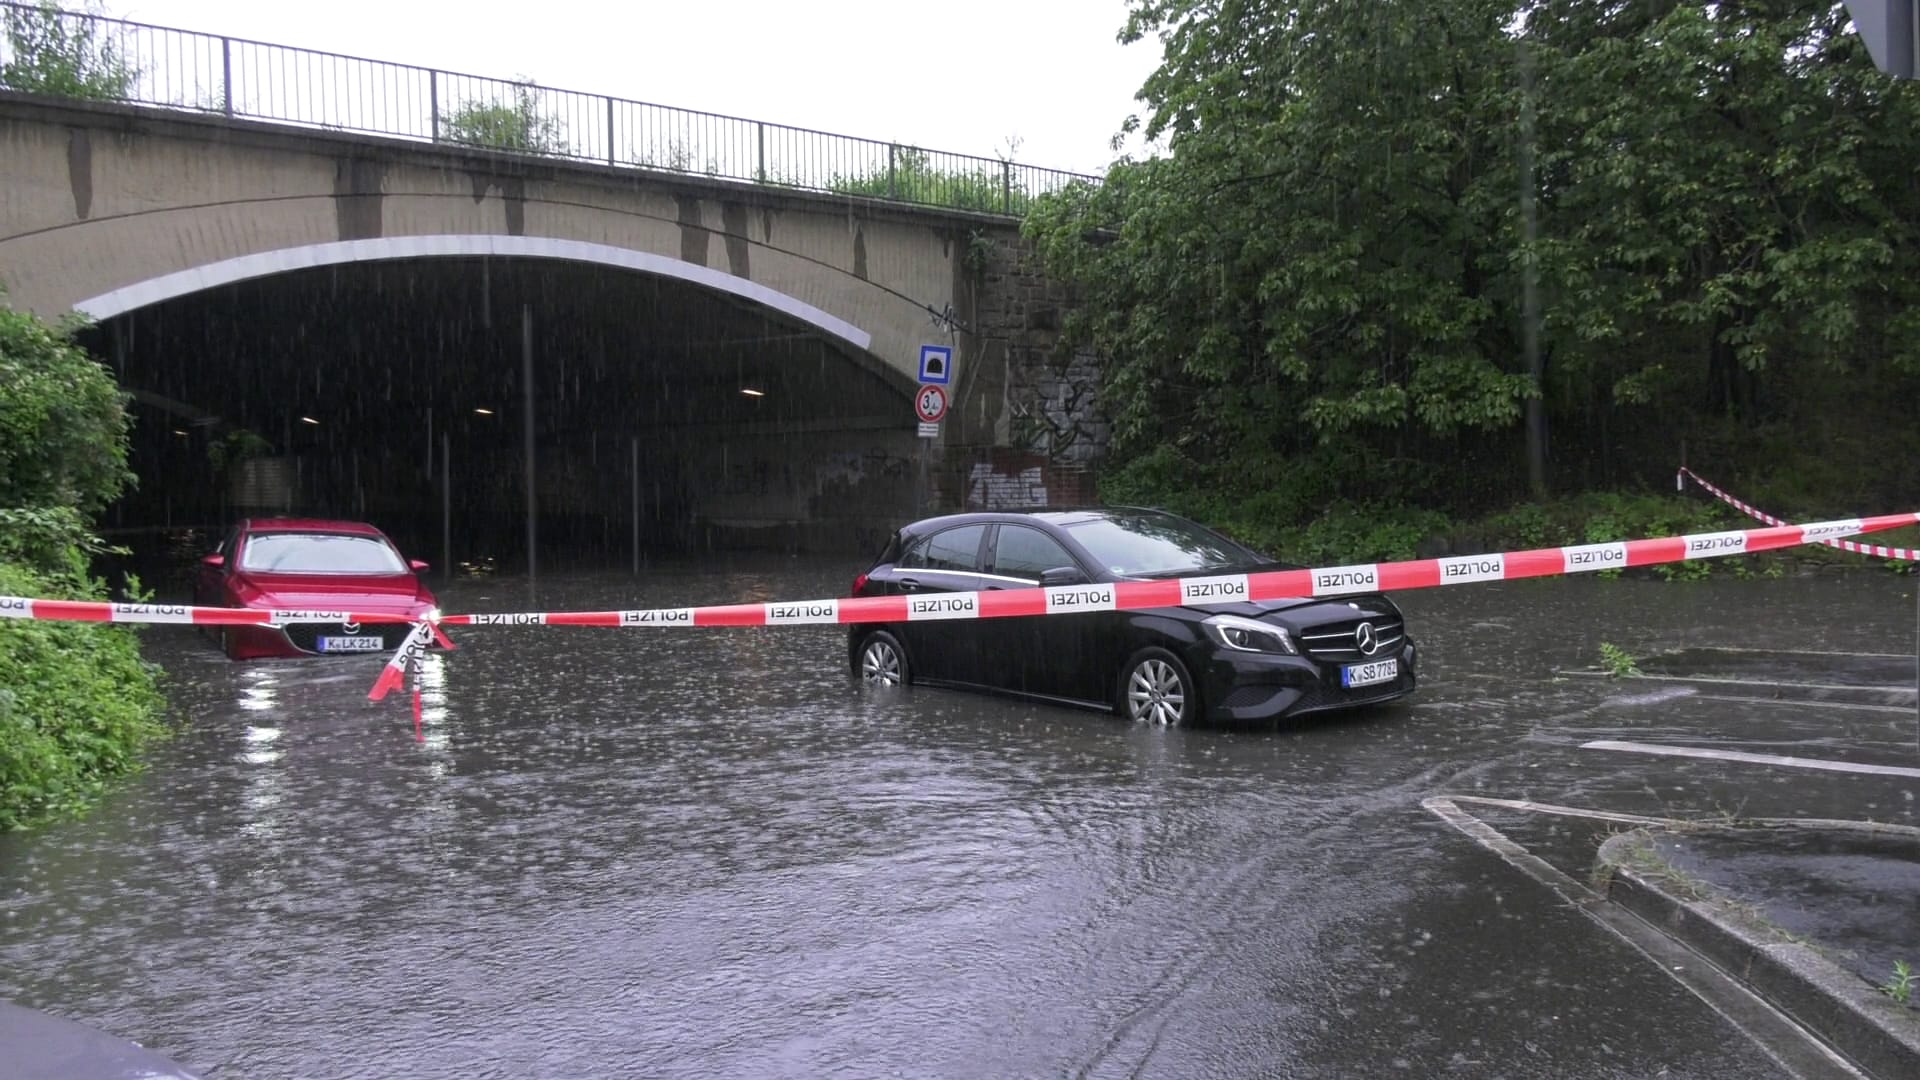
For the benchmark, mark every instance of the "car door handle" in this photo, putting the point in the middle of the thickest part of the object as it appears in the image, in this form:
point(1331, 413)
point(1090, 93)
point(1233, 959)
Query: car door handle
point(909, 584)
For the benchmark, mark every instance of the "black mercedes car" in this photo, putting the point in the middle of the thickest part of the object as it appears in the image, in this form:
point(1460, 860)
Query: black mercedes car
point(1242, 662)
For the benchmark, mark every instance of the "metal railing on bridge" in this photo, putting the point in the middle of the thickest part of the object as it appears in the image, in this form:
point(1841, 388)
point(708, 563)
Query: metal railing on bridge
point(78, 55)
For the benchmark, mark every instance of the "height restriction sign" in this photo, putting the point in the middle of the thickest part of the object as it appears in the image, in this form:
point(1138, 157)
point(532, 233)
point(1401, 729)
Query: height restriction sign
point(930, 404)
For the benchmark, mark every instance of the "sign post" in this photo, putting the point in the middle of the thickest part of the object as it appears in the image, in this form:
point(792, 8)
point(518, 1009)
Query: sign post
point(930, 404)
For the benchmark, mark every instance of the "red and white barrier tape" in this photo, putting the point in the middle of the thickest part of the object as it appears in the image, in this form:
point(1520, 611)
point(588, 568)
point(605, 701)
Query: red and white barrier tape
point(21, 607)
point(1005, 603)
point(1053, 600)
point(406, 658)
point(1761, 515)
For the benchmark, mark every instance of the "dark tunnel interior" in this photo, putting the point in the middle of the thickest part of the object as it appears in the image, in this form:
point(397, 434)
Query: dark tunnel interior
point(396, 392)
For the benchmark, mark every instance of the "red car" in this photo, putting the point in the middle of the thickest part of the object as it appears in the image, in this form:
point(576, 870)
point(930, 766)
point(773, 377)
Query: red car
point(298, 563)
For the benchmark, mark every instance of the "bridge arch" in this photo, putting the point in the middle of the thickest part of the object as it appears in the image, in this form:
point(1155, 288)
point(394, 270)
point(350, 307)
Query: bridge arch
point(180, 283)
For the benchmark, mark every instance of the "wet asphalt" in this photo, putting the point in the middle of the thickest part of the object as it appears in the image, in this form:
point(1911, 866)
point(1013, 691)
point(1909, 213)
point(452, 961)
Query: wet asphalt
point(709, 852)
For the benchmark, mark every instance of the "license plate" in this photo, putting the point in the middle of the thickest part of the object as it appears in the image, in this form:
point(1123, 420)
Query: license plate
point(349, 644)
point(1367, 674)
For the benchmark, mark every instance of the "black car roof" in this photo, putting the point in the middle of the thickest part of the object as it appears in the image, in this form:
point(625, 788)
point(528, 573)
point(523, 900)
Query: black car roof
point(1054, 515)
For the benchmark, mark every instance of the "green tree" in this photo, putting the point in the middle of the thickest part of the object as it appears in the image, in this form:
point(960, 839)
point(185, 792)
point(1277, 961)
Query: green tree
point(1321, 256)
point(65, 54)
point(518, 124)
point(1318, 285)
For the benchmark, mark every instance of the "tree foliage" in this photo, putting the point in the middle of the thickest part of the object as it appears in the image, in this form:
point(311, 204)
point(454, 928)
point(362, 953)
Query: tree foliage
point(49, 51)
point(518, 124)
point(1323, 269)
point(76, 701)
point(63, 421)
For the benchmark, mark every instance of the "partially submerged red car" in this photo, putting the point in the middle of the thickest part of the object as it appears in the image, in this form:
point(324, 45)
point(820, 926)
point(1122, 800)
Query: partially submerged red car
point(285, 564)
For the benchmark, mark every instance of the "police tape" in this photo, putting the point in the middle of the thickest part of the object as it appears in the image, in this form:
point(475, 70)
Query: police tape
point(21, 607)
point(1218, 589)
point(1761, 515)
point(1205, 591)
point(405, 660)
point(1182, 592)
point(1051, 600)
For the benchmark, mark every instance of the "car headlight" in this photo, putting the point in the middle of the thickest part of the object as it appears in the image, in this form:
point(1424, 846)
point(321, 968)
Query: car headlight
point(432, 614)
point(1248, 635)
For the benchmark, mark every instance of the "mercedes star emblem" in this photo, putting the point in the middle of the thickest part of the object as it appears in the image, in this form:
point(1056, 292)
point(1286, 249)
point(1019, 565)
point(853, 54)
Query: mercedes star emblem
point(1363, 637)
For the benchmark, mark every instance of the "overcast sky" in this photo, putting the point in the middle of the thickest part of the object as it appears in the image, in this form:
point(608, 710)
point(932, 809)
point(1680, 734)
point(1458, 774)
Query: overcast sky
point(960, 76)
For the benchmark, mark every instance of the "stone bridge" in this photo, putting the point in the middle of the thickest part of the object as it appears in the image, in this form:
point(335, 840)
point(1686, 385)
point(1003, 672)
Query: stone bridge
point(108, 209)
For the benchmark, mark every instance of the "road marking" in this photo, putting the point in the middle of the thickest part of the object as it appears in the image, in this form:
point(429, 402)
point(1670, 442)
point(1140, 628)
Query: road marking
point(1727, 681)
point(1797, 1050)
point(1788, 703)
point(1824, 764)
point(1531, 807)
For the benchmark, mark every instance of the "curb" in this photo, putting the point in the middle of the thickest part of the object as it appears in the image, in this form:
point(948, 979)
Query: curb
point(1879, 1036)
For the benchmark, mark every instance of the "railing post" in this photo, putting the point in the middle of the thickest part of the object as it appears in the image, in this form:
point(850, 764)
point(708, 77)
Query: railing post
point(433, 100)
point(226, 76)
point(610, 154)
point(893, 154)
point(760, 157)
point(1006, 187)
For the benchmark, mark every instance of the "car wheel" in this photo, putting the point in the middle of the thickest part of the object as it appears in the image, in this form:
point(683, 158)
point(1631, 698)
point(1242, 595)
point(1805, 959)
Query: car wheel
point(1156, 689)
point(882, 661)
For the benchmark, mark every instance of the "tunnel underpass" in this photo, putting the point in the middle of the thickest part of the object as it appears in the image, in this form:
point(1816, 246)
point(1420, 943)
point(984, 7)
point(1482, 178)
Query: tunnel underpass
point(665, 417)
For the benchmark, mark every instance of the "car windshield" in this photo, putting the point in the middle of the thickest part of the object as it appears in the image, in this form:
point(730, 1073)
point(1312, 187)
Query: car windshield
point(1145, 545)
point(320, 553)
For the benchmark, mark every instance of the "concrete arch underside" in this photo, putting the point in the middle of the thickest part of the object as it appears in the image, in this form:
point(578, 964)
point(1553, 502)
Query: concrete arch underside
point(126, 298)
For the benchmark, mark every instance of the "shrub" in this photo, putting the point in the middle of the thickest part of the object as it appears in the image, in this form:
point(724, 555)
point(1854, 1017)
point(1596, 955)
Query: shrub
point(77, 705)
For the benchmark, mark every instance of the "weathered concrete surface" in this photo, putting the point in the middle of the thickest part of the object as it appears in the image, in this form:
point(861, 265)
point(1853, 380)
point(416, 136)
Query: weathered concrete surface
point(99, 197)
point(1741, 897)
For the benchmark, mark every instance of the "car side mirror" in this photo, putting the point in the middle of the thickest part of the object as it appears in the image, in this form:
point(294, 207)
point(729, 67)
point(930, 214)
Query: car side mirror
point(1062, 575)
point(215, 559)
point(418, 566)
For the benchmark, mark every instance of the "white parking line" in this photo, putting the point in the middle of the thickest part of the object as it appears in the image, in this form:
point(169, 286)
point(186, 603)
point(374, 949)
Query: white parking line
point(1718, 680)
point(1824, 764)
point(1532, 807)
point(1803, 706)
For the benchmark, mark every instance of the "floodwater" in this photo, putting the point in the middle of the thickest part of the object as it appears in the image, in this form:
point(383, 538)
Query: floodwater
point(643, 853)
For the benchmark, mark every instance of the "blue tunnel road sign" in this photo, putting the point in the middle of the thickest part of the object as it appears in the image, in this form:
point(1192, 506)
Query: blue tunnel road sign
point(936, 364)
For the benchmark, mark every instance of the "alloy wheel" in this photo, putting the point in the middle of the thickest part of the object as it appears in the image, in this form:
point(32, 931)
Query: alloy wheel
point(1156, 692)
point(880, 663)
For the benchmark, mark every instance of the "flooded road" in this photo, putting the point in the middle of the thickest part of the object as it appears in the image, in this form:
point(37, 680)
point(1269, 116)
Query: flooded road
point(650, 853)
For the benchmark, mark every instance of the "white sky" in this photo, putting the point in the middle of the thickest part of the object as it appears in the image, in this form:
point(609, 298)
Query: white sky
point(959, 75)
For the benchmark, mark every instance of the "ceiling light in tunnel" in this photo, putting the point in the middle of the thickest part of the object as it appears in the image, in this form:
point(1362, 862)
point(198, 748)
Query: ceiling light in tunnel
point(751, 392)
point(484, 412)
point(308, 420)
